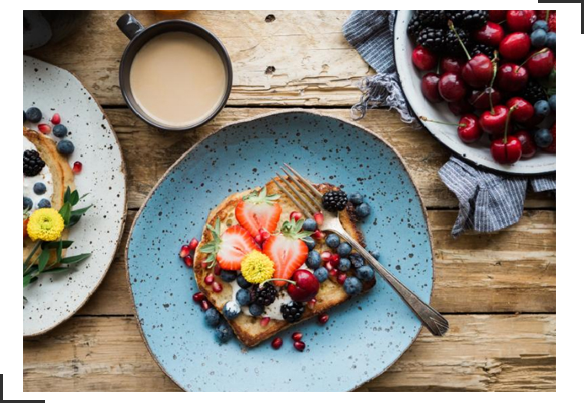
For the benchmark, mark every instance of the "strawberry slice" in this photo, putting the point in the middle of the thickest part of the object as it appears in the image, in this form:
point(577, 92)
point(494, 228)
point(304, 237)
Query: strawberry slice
point(257, 211)
point(228, 249)
point(287, 250)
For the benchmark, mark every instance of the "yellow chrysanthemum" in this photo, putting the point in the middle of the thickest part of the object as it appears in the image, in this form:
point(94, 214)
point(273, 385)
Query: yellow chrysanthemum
point(45, 224)
point(257, 267)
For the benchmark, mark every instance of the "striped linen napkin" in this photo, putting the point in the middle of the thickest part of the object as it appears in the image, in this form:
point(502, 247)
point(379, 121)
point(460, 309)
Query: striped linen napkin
point(488, 202)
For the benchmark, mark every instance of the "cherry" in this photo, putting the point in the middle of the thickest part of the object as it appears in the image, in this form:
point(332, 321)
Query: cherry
point(528, 147)
point(460, 107)
point(469, 129)
point(508, 149)
point(520, 20)
point(424, 59)
point(303, 287)
point(523, 110)
point(430, 87)
point(497, 15)
point(478, 71)
point(493, 122)
point(540, 64)
point(453, 64)
point(515, 46)
point(451, 87)
point(480, 98)
point(552, 147)
point(512, 77)
point(491, 34)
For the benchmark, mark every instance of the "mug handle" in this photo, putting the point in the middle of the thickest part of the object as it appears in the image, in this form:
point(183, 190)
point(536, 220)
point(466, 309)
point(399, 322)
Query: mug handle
point(129, 25)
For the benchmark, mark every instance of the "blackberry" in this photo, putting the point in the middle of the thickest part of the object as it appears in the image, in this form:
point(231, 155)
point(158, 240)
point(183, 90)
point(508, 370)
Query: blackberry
point(335, 200)
point(414, 26)
point(265, 295)
point(452, 45)
point(433, 18)
point(32, 164)
point(432, 39)
point(292, 311)
point(468, 19)
point(486, 50)
point(533, 92)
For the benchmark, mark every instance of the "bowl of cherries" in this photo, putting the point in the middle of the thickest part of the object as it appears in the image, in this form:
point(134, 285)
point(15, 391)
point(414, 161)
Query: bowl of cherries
point(483, 83)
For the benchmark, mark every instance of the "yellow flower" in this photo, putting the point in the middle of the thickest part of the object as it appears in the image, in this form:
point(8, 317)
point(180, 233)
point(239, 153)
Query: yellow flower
point(257, 267)
point(45, 224)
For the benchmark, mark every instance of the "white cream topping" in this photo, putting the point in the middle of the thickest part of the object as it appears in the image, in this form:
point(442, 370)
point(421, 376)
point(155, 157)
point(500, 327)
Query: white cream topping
point(28, 181)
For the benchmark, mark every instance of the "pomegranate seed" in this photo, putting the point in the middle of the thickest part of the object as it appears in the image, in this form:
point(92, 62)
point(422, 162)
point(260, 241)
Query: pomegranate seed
point(277, 343)
point(341, 277)
point(193, 244)
point(77, 167)
point(328, 266)
point(217, 287)
point(333, 273)
point(335, 259)
point(44, 128)
point(319, 218)
point(258, 239)
point(204, 304)
point(217, 270)
point(188, 259)
point(203, 265)
point(295, 215)
point(264, 235)
point(199, 297)
point(296, 336)
point(318, 234)
point(312, 303)
point(326, 256)
point(56, 119)
point(184, 251)
point(209, 279)
point(299, 345)
point(265, 320)
point(323, 318)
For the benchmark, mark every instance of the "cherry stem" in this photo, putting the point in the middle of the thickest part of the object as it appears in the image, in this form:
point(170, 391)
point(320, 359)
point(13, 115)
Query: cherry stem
point(547, 15)
point(494, 62)
point(539, 52)
point(425, 119)
point(451, 26)
point(507, 120)
point(277, 279)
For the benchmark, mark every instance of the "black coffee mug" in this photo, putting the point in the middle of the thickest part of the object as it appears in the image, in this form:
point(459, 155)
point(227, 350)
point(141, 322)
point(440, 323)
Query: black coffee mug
point(139, 36)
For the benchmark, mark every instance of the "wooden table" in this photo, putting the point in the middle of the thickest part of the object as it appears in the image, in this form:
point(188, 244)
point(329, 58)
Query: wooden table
point(498, 290)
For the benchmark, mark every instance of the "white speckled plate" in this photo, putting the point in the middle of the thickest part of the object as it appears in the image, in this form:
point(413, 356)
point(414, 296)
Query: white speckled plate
point(53, 299)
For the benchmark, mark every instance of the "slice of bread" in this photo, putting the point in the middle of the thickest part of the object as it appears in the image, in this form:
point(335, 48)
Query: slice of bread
point(248, 328)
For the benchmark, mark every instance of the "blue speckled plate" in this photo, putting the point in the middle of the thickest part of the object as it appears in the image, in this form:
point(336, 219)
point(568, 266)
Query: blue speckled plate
point(363, 337)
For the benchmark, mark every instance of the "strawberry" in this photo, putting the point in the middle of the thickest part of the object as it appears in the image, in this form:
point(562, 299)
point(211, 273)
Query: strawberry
point(258, 211)
point(24, 224)
point(228, 249)
point(287, 250)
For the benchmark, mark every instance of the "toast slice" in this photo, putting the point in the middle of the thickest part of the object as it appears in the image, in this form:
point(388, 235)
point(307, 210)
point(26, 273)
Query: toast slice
point(248, 328)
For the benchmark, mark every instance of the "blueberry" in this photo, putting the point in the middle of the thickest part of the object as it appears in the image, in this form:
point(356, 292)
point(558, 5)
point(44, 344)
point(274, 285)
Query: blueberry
point(333, 241)
point(356, 198)
point(552, 102)
point(256, 310)
point(24, 116)
point(34, 115)
point(39, 188)
point(313, 260)
point(243, 297)
point(321, 274)
point(309, 224)
point(543, 138)
point(44, 203)
point(223, 333)
point(538, 38)
point(375, 254)
point(363, 210)
point(26, 203)
point(344, 249)
point(60, 131)
point(310, 242)
point(365, 273)
point(65, 147)
point(550, 40)
point(228, 275)
point(231, 310)
point(242, 282)
point(540, 24)
point(356, 260)
point(352, 286)
point(212, 317)
point(344, 264)
point(542, 108)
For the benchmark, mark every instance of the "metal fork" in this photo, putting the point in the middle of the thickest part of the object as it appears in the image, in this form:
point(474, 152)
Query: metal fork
point(308, 200)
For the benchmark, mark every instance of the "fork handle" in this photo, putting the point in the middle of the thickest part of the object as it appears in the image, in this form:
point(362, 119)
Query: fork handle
point(432, 319)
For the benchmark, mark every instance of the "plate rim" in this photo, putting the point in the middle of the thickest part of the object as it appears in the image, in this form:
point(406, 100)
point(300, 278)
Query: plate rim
point(118, 241)
point(425, 125)
point(247, 120)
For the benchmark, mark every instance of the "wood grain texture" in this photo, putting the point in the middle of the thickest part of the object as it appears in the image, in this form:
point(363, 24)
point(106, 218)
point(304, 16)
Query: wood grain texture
point(480, 353)
point(300, 58)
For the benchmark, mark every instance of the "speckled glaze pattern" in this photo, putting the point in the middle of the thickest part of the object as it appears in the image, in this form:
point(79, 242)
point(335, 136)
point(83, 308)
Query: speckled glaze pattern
point(363, 336)
point(55, 298)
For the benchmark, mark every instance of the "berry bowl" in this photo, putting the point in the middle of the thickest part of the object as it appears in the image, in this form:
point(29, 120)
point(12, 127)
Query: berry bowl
point(475, 151)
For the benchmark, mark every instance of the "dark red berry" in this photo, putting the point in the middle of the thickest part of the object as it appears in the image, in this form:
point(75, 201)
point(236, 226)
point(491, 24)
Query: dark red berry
point(56, 119)
point(209, 278)
point(77, 167)
point(424, 59)
point(188, 260)
point(323, 318)
point(296, 336)
point(217, 287)
point(199, 297)
point(277, 343)
point(299, 345)
point(44, 128)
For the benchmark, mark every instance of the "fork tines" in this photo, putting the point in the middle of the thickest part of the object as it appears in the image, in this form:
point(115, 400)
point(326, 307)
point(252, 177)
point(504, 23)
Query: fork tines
point(302, 193)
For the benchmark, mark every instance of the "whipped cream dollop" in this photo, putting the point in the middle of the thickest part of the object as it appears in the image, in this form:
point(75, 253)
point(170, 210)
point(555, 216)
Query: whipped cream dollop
point(28, 181)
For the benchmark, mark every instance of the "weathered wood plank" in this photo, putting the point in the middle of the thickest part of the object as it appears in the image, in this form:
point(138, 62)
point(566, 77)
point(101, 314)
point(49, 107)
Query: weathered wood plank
point(300, 58)
point(423, 154)
point(480, 353)
point(510, 271)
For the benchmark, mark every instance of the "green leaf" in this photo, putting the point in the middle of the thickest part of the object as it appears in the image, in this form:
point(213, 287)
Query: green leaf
point(58, 269)
point(59, 251)
point(65, 212)
point(26, 280)
point(81, 211)
point(75, 259)
point(74, 219)
point(43, 259)
point(83, 197)
point(67, 195)
point(55, 244)
point(74, 198)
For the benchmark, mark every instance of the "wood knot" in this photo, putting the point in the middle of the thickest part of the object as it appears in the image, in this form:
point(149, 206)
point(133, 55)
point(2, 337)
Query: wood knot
point(270, 70)
point(270, 18)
